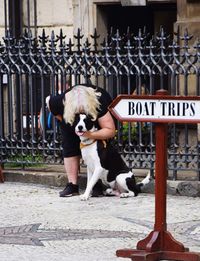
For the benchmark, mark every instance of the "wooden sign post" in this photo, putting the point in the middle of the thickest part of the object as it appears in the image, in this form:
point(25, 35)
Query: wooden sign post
point(1, 175)
point(162, 109)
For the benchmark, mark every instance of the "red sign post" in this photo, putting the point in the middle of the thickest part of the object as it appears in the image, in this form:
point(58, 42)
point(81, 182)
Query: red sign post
point(162, 109)
point(1, 175)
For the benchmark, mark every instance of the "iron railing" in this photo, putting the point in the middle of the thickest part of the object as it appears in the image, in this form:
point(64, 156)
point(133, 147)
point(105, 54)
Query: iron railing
point(33, 67)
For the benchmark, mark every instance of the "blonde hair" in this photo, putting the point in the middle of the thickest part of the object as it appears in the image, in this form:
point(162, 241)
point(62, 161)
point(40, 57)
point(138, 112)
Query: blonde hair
point(81, 99)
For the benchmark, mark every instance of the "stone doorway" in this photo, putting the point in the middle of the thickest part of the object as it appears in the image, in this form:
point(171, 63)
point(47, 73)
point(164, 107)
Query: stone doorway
point(151, 16)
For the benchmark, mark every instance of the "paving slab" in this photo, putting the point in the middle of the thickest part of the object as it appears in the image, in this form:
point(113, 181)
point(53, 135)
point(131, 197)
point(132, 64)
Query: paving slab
point(36, 224)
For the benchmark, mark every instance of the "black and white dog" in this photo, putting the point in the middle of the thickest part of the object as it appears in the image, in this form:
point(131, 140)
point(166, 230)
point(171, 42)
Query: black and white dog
point(104, 162)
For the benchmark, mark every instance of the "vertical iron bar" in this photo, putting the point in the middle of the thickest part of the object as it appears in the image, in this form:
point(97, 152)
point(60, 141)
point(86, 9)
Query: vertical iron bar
point(27, 98)
point(2, 110)
point(10, 106)
point(20, 118)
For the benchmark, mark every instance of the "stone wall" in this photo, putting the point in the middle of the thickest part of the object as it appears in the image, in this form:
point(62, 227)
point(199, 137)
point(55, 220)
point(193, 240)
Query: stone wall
point(72, 14)
point(188, 17)
point(2, 19)
point(51, 15)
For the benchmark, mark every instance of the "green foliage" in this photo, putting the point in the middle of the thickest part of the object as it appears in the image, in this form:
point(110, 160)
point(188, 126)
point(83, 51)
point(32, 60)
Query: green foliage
point(23, 160)
point(134, 130)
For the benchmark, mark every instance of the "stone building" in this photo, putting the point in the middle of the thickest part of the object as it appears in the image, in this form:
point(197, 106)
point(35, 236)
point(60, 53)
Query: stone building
point(101, 14)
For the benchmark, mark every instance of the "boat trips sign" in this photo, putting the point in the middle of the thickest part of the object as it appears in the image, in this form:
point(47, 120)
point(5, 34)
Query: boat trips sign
point(156, 108)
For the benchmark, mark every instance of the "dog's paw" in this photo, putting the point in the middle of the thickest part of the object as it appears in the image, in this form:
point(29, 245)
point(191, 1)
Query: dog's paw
point(124, 195)
point(147, 179)
point(84, 197)
point(127, 194)
point(109, 192)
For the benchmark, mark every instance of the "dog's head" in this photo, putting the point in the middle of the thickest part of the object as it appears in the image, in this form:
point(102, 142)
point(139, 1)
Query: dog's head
point(83, 123)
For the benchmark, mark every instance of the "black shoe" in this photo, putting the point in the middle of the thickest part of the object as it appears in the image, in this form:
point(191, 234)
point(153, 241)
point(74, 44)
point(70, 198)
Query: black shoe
point(70, 190)
point(98, 189)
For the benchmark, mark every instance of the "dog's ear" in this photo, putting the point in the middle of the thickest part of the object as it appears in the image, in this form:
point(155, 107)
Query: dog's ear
point(93, 121)
point(90, 117)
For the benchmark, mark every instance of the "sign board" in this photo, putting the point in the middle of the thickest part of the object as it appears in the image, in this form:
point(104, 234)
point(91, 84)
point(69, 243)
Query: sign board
point(155, 108)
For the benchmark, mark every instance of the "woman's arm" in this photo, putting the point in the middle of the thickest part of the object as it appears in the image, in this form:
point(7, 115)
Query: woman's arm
point(107, 130)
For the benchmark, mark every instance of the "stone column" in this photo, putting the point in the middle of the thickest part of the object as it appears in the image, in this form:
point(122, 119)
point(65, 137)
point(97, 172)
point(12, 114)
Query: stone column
point(2, 19)
point(188, 17)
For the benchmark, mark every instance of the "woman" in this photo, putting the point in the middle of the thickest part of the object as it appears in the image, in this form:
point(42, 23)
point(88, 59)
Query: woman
point(86, 99)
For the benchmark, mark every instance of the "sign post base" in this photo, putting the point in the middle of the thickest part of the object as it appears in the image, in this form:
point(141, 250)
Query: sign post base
point(141, 255)
point(159, 245)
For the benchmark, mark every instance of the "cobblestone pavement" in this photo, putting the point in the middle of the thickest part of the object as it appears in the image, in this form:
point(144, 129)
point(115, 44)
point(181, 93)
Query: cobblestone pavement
point(38, 225)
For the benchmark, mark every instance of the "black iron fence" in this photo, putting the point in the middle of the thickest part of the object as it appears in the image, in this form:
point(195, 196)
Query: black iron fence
point(32, 68)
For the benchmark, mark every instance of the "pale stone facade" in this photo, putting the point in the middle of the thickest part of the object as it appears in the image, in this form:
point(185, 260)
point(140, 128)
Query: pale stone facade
point(188, 17)
point(84, 14)
point(53, 15)
point(2, 19)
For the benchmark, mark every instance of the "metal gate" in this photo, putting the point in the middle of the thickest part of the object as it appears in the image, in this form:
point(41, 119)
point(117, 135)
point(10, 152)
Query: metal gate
point(33, 67)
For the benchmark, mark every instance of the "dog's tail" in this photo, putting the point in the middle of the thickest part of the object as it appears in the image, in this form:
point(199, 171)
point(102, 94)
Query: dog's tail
point(144, 182)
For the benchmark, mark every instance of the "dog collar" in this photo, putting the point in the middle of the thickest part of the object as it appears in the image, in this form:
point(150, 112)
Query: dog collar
point(82, 145)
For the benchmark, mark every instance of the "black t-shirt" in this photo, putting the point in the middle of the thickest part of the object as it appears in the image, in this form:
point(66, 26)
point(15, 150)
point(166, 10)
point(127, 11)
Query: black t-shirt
point(57, 107)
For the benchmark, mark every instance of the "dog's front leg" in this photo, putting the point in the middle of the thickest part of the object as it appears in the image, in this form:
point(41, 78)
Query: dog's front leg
point(90, 183)
point(89, 175)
